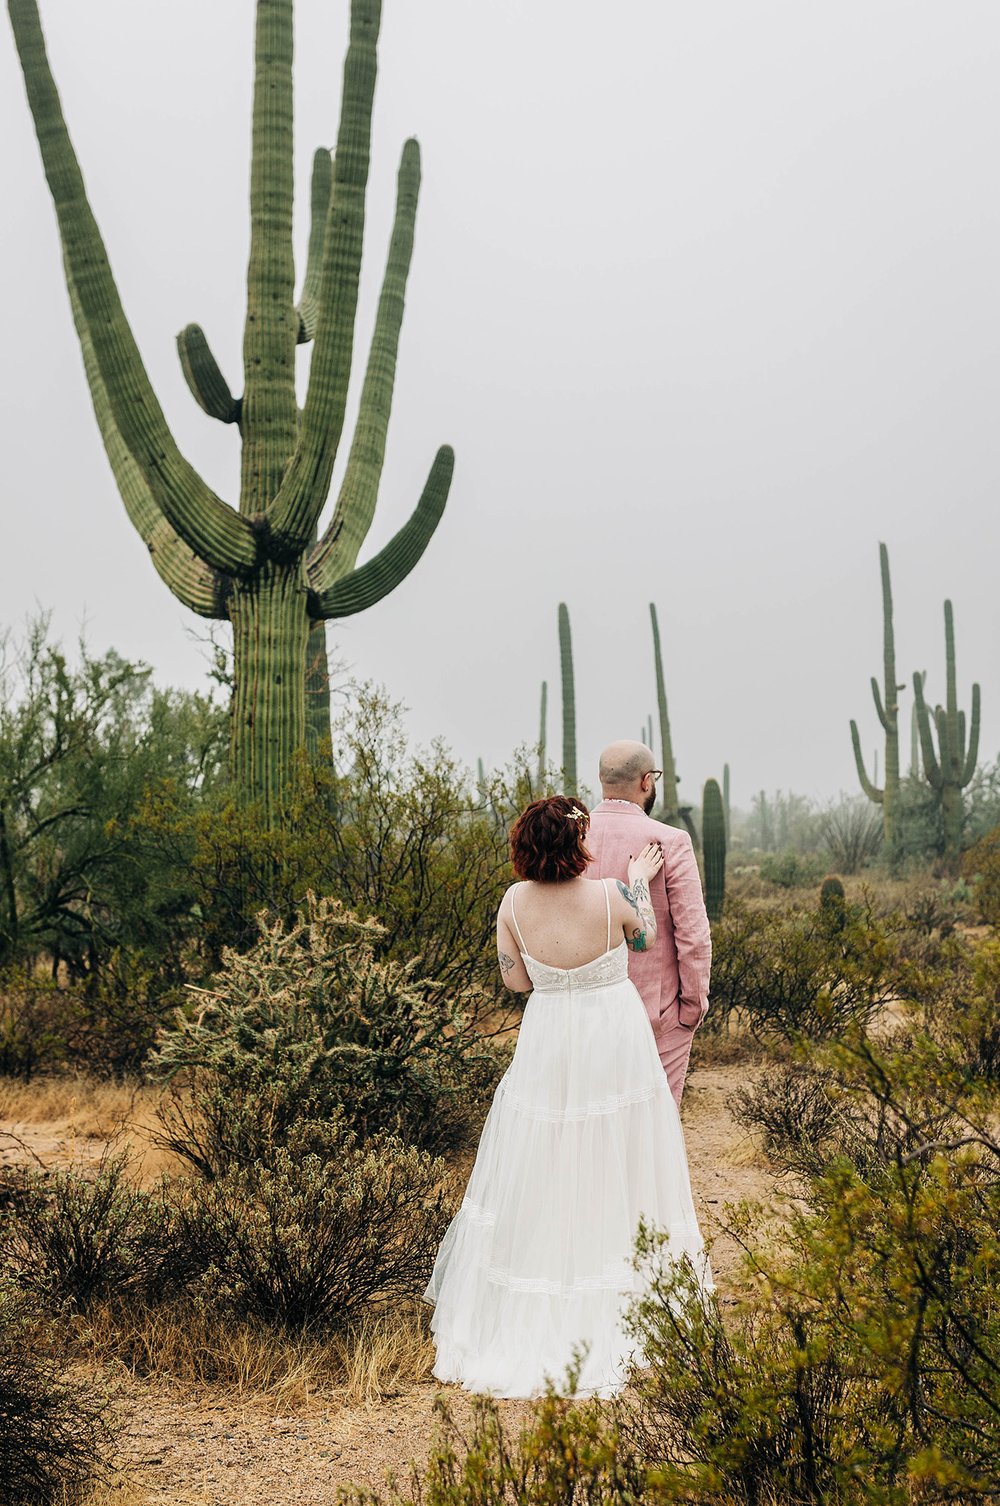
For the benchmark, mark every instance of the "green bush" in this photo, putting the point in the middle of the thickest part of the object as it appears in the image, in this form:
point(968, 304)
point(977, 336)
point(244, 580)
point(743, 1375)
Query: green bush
point(53, 1436)
point(792, 973)
point(318, 1232)
point(791, 870)
point(981, 867)
point(309, 1022)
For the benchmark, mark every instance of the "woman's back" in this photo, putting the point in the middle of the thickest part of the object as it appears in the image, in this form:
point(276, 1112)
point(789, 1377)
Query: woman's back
point(562, 925)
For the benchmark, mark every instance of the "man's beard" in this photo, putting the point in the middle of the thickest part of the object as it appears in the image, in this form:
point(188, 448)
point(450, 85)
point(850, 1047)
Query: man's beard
point(649, 801)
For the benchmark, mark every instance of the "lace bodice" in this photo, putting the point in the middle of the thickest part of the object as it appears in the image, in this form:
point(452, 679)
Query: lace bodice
point(610, 967)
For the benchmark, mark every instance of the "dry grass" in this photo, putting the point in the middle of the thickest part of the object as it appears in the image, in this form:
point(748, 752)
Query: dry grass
point(384, 1354)
point(119, 1490)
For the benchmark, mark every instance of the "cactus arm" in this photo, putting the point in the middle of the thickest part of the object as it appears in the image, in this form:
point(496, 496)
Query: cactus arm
point(932, 769)
point(355, 508)
point(870, 789)
point(308, 307)
point(207, 385)
point(294, 510)
point(212, 530)
point(372, 581)
point(969, 767)
point(269, 418)
point(877, 697)
point(189, 578)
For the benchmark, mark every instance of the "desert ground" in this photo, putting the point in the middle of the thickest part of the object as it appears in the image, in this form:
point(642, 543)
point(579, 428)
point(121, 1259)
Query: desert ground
point(186, 1445)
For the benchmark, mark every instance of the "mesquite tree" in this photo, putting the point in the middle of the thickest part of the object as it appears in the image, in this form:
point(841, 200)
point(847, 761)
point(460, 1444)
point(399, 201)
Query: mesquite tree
point(261, 565)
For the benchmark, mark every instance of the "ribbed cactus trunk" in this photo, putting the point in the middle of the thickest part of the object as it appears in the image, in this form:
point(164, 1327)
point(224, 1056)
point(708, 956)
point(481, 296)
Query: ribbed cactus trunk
point(713, 836)
point(270, 634)
point(568, 702)
point(670, 807)
point(887, 707)
point(262, 564)
point(915, 729)
point(951, 767)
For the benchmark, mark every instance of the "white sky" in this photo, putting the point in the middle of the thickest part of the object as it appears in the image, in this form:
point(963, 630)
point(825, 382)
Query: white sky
point(704, 296)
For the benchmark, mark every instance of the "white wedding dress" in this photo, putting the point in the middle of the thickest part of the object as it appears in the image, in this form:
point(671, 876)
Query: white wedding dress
point(583, 1140)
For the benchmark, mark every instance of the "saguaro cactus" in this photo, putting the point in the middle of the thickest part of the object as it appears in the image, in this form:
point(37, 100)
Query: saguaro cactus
point(543, 734)
point(713, 837)
point(888, 714)
point(951, 768)
point(568, 702)
point(669, 808)
point(261, 565)
point(915, 730)
point(725, 796)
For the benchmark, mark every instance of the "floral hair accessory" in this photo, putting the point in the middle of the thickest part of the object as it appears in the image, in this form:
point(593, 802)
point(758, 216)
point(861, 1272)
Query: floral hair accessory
point(575, 814)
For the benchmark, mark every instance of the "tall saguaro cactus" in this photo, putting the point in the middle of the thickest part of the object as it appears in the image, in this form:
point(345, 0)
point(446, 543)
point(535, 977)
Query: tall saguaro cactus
point(669, 808)
point(568, 702)
point(887, 707)
point(951, 768)
point(713, 836)
point(260, 565)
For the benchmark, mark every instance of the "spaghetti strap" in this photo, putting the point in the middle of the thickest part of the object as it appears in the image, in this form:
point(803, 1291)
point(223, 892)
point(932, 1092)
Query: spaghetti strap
point(607, 901)
point(513, 916)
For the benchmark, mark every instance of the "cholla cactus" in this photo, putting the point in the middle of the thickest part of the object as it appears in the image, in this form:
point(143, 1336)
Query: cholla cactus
point(259, 565)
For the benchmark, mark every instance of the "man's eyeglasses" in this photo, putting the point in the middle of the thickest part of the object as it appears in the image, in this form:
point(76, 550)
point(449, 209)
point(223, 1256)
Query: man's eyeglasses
point(656, 773)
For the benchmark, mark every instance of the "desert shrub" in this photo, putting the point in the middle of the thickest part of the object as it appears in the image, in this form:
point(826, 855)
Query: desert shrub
point(73, 1239)
point(567, 1453)
point(53, 1435)
point(309, 1022)
point(791, 870)
point(105, 1027)
point(981, 868)
point(791, 973)
point(851, 833)
point(316, 1233)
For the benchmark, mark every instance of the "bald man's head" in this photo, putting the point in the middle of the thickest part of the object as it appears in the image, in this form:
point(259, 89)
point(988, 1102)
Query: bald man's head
point(623, 764)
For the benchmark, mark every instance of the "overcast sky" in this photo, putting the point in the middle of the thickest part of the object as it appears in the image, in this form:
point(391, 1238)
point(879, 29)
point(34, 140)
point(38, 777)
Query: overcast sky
point(704, 296)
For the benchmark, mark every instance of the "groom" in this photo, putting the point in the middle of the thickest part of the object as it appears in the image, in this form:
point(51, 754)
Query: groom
point(672, 979)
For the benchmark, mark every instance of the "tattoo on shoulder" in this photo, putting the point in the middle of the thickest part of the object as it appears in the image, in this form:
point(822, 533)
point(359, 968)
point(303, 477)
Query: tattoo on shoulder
point(506, 962)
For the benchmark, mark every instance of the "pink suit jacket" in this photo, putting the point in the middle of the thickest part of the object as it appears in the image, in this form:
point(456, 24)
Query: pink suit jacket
point(673, 977)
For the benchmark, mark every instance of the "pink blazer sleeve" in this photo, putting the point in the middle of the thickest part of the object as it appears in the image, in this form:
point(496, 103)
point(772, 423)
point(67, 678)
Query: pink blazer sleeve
point(692, 934)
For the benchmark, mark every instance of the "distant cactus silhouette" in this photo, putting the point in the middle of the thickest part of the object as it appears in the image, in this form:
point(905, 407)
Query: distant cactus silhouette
point(887, 706)
point(261, 565)
point(951, 767)
point(568, 702)
point(669, 804)
point(725, 797)
point(543, 735)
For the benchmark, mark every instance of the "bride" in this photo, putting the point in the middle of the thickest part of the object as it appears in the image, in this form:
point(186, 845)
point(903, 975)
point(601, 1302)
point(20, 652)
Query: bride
point(582, 1141)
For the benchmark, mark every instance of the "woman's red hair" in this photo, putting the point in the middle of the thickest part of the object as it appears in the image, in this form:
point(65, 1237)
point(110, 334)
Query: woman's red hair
point(547, 841)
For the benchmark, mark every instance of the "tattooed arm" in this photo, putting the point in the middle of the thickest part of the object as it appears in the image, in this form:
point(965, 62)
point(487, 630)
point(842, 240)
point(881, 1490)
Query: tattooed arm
point(513, 972)
point(639, 921)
